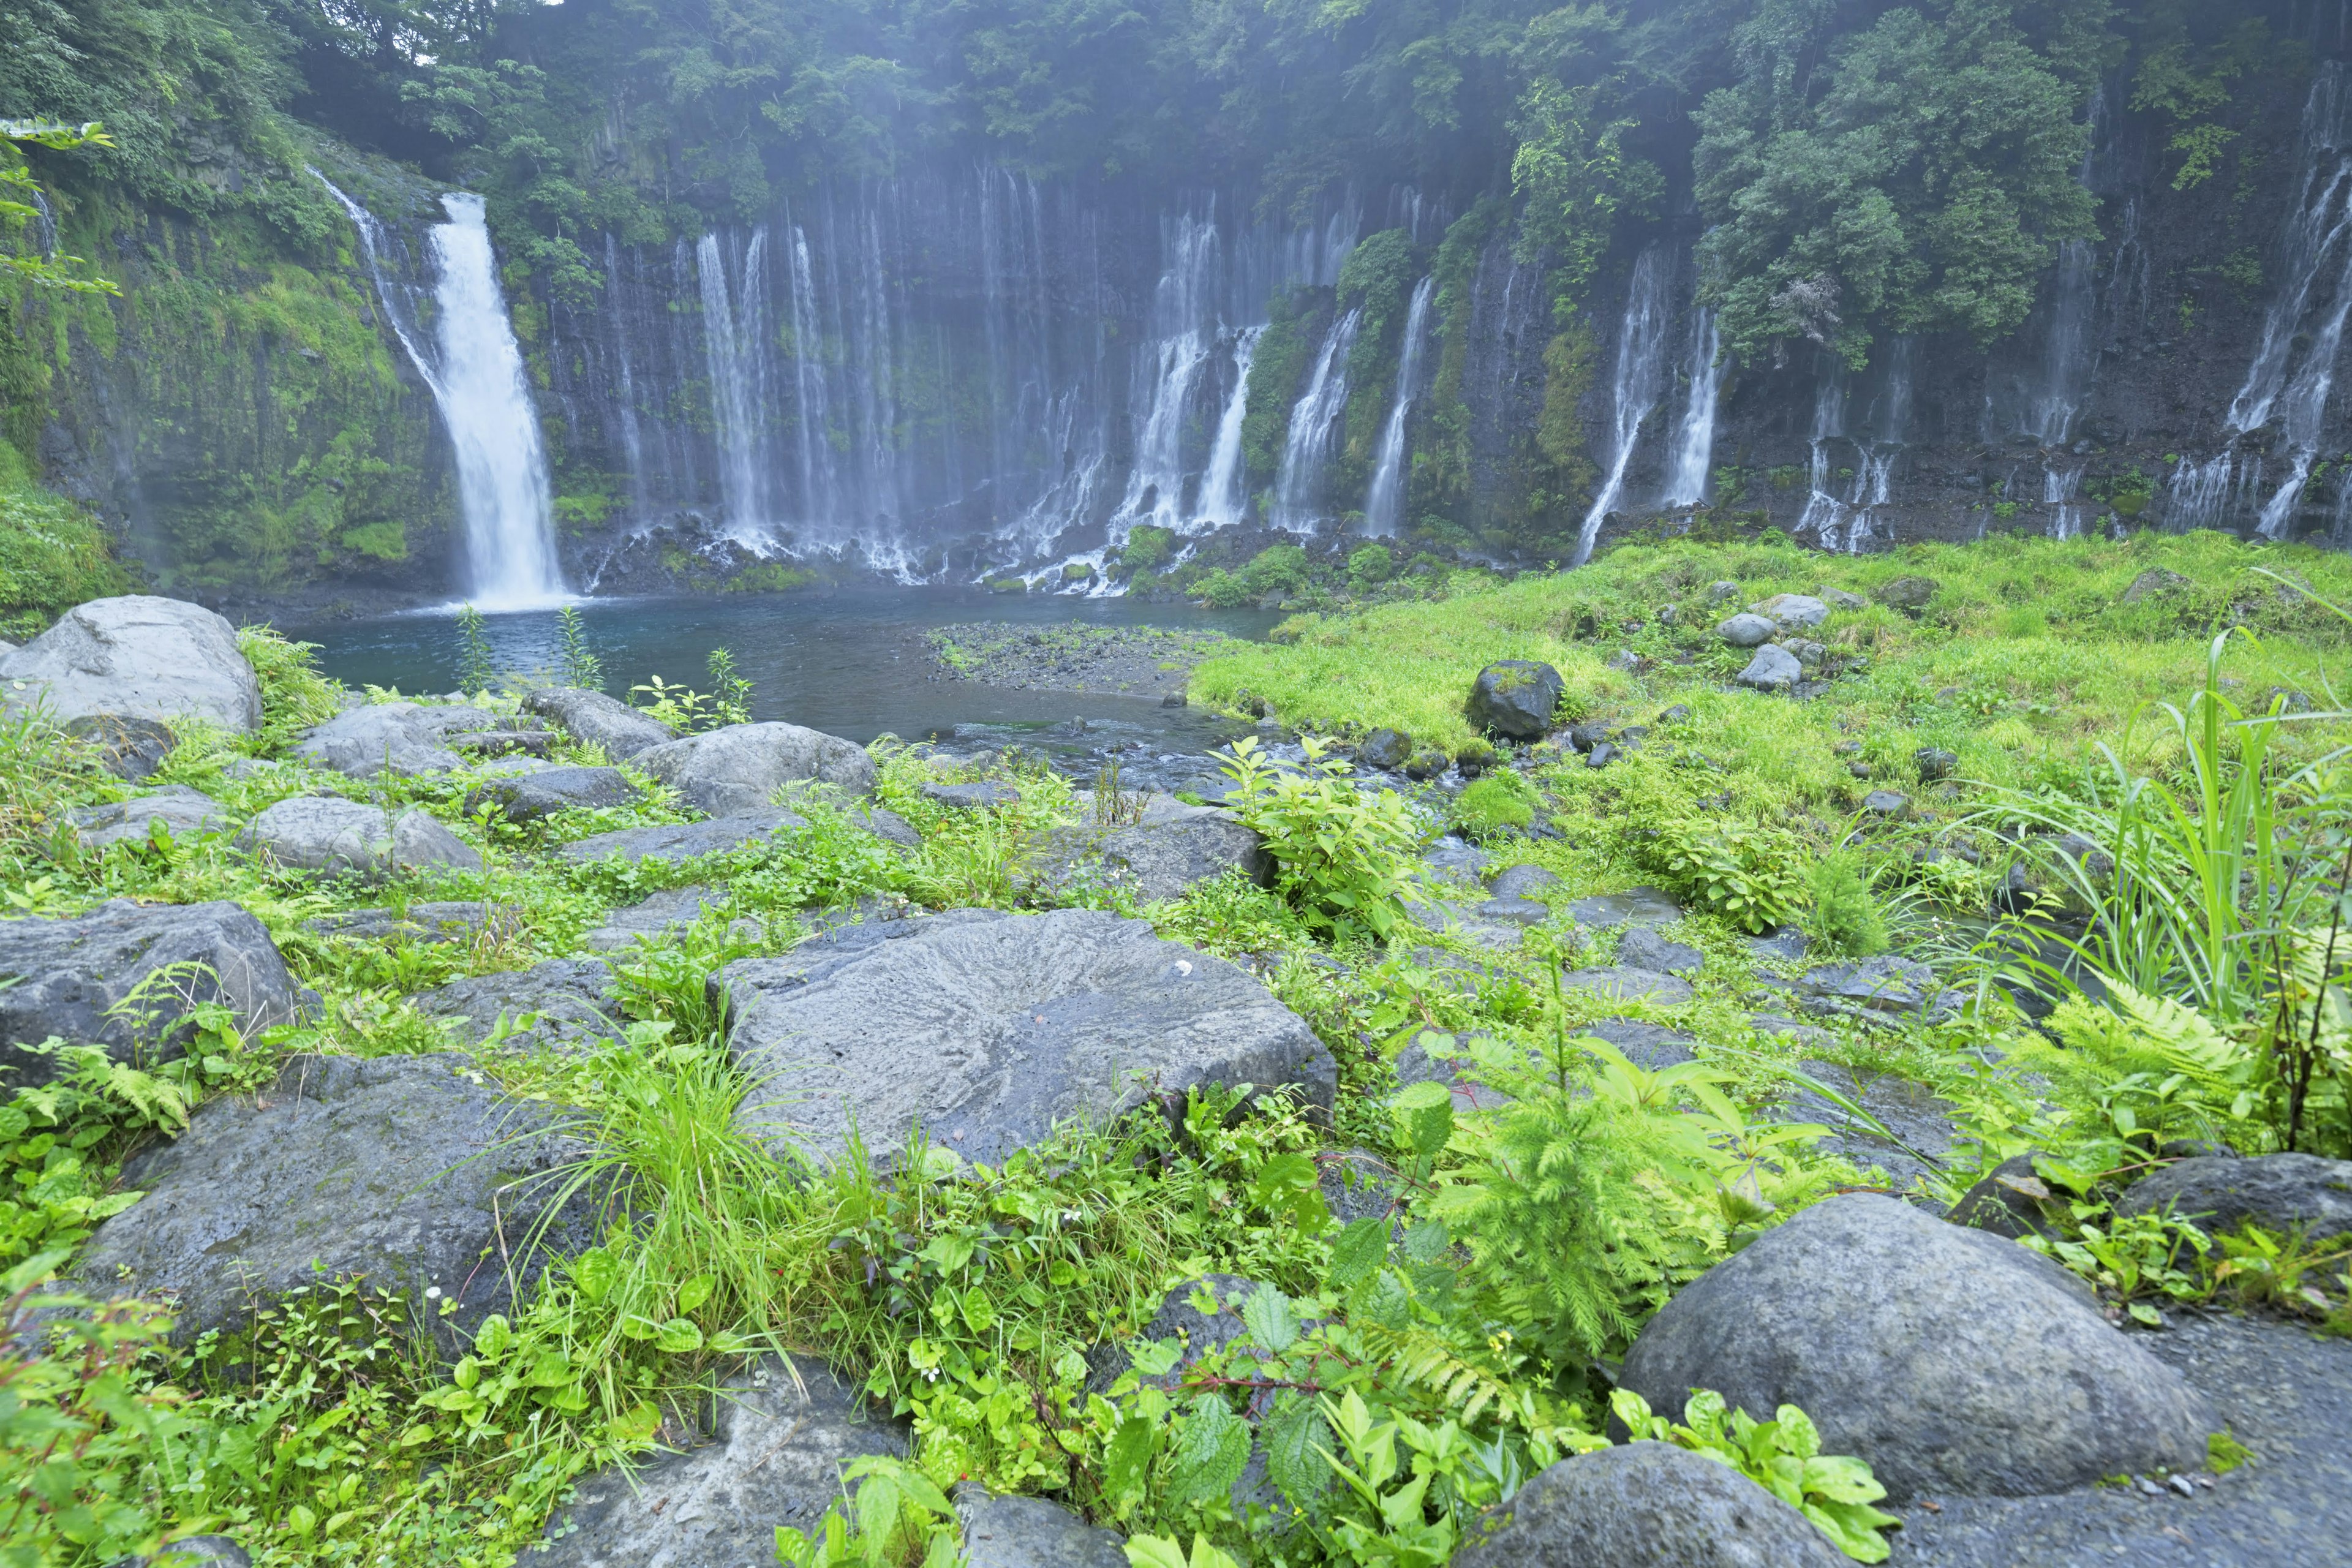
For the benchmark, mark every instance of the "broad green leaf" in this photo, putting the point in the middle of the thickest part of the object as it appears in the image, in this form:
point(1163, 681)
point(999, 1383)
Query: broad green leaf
point(695, 1292)
point(1292, 1434)
point(1127, 1462)
point(1357, 1251)
point(1153, 1551)
point(678, 1337)
point(595, 1271)
point(1212, 1447)
point(1271, 1320)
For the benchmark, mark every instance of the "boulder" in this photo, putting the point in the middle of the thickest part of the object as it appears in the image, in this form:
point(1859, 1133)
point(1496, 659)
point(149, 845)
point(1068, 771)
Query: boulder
point(70, 977)
point(2222, 1193)
point(403, 739)
point(331, 835)
point(1645, 1505)
point(1426, 763)
point(1154, 859)
point(567, 1003)
point(1642, 948)
point(1721, 592)
point(739, 769)
point(1385, 749)
point(128, 746)
point(184, 812)
point(1435, 1058)
point(397, 1169)
point(138, 656)
point(2011, 1201)
point(1513, 911)
point(1933, 763)
point(1792, 612)
point(1774, 668)
point(446, 920)
point(1514, 698)
point(990, 1030)
point(1948, 1360)
point(1519, 881)
point(593, 719)
point(1839, 599)
point(2155, 580)
point(985, 795)
point(1621, 983)
point(1746, 630)
point(1883, 986)
point(774, 1458)
point(1651, 1045)
point(1455, 860)
point(527, 798)
point(887, 826)
point(1785, 945)
point(1910, 594)
point(671, 911)
point(1030, 1532)
point(1635, 905)
point(678, 843)
point(1887, 802)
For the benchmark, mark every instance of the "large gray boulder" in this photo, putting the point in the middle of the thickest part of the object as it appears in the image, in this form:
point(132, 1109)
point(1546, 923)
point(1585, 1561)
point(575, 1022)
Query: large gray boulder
point(1746, 630)
point(336, 837)
point(184, 813)
point(1514, 698)
point(404, 739)
point(565, 1003)
point(527, 798)
point(990, 1030)
point(2278, 1192)
point(1774, 668)
point(398, 1170)
point(725, 773)
point(593, 719)
point(138, 656)
point(1153, 860)
point(1949, 1360)
point(73, 977)
point(1792, 612)
point(125, 746)
point(677, 843)
point(1030, 1532)
point(1646, 1505)
point(775, 1456)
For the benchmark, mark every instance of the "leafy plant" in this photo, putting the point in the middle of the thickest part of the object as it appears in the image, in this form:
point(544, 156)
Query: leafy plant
point(730, 700)
point(1784, 1456)
point(1844, 918)
point(478, 666)
point(577, 665)
point(1343, 856)
point(1495, 801)
point(294, 695)
point(1749, 876)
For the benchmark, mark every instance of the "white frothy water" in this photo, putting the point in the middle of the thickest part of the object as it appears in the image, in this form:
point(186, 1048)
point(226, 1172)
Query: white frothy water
point(1695, 440)
point(1384, 503)
point(734, 346)
point(1222, 499)
point(1640, 381)
point(502, 484)
point(1298, 487)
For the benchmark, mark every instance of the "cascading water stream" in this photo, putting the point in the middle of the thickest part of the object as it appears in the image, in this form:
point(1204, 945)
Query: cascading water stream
point(1222, 500)
point(734, 346)
point(1183, 318)
point(1694, 438)
point(1384, 502)
point(1306, 448)
point(2060, 489)
point(1639, 382)
point(2066, 351)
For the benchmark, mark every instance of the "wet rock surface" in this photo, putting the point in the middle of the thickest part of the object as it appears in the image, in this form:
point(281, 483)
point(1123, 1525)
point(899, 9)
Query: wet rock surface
point(594, 719)
point(1644, 1504)
point(1031, 1532)
point(404, 739)
point(1643, 948)
point(671, 911)
point(128, 746)
point(1886, 987)
point(184, 813)
point(1920, 1123)
point(398, 1169)
point(568, 1003)
point(1620, 983)
point(136, 656)
point(2278, 1191)
point(740, 769)
point(335, 836)
point(1514, 698)
point(1155, 860)
point(1635, 905)
point(676, 844)
point(527, 798)
point(991, 1031)
point(441, 921)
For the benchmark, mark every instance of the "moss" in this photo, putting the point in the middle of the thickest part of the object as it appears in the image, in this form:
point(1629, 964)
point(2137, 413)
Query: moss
point(1295, 324)
point(769, 577)
point(53, 553)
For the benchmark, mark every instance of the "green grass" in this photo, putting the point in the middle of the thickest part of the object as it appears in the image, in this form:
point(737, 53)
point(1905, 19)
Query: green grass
point(53, 553)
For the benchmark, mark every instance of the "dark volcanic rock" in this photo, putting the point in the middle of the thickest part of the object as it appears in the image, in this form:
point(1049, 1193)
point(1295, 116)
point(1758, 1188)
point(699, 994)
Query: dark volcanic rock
point(566, 1003)
point(1910, 594)
point(1651, 1045)
point(2011, 1201)
point(1635, 905)
point(463, 919)
point(2278, 1192)
point(1385, 749)
point(1885, 986)
point(775, 1456)
point(991, 1031)
point(1155, 859)
point(128, 746)
point(397, 1169)
point(400, 737)
point(336, 837)
point(680, 842)
point(72, 975)
point(1949, 1360)
point(530, 796)
point(1620, 984)
point(981, 796)
point(1514, 698)
point(1645, 1505)
point(1642, 948)
point(184, 812)
point(671, 910)
point(593, 719)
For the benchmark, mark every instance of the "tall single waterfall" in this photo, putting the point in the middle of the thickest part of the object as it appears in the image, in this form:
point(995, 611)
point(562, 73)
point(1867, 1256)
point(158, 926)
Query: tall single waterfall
point(1221, 498)
point(734, 346)
point(1640, 381)
point(2066, 349)
point(1384, 502)
point(1306, 448)
point(1695, 439)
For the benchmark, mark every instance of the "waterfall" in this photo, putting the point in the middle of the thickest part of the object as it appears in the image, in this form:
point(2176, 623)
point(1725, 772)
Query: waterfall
point(1183, 315)
point(1221, 499)
point(812, 420)
point(1639, 382)
point(2065, 349)
point(2059, 488)
point(1850, 522)
point(734, 347)
point(1695, 440)
point(1307, 449)
point(1384, 502)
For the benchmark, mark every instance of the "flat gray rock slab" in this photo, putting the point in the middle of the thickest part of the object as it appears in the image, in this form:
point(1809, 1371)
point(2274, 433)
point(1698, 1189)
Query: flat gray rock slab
point(2275, 1387)
point(672, 909)
point(1635, 905)
point(126, 745)
point(2278, 1192)
point(1622, 984)
point(1455, 860)
point(397, 1169)
point(136, 656)
point(593, 719)
point(334, 836)
point(565, 1003)
point(775, 1457)
point(527, 798)
point(442, 921)
point(740, 768)
point(1886, 988)
point(1155, 860)
point(184, 813)
point(1642, 948)
point(1785, 945)
point(1922, 1124)
point(406, 738)
point(676, 844)
point(73, 978)
point(1521, 883)
point(1645, 1505)
point(1948, 1359)
point(988, 1033)
point(1030, 1532)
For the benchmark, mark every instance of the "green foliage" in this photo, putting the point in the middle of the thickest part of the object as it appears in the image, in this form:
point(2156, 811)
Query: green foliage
point(1572, 175)
point(578, 665)
point(731, 701)
point(1783, 1455)
point(1844, 918)
point(1343, 856)
point(478, 665)
point(1370, 566)
point(1279, 367)
point(1749, 876)
point(1147, 548)
point(294, 695)
point(60, 272)
point(1494, 803)
point(53, 553)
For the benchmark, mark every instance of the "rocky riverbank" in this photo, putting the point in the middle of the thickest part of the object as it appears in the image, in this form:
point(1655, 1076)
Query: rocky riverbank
point(1127, 661)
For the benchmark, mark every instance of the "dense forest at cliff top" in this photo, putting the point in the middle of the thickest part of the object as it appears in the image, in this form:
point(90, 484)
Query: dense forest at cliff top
point(1842, 179)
